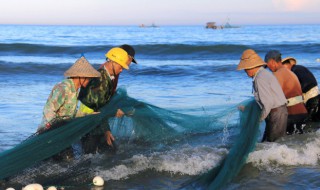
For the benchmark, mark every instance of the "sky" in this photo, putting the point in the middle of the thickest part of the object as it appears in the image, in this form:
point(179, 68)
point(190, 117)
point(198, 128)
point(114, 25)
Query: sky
point(161, 12)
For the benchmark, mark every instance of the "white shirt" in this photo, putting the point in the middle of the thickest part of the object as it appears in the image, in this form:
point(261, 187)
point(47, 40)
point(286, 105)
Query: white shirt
point(267, 91)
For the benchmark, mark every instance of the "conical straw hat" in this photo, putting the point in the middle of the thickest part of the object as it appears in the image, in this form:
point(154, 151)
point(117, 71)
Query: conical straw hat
point(250, 59)
point(292, 60)
point(82, 68)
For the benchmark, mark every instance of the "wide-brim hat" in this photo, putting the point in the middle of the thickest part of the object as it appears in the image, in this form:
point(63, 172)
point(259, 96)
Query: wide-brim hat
point(291, 60)
point(82, 68)
point(129, 49)
point(250, 59)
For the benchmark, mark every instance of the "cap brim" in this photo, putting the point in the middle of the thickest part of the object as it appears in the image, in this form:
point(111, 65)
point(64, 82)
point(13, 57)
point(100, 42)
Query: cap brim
point(134, 60)
point(292, 60)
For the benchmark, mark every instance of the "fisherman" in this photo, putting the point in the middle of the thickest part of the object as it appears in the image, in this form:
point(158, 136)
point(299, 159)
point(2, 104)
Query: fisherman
point(268, 94)
point(131, 52)
point(289, 82)
point(61, 105)
point(97, 94)
point(309, 87)
point(62, 101)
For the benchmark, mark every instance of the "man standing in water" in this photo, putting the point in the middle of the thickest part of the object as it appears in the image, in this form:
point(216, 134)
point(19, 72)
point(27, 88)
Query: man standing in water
point(268, 94)
point(62, 102)
point(309, 87)
point(98, 93)
point(289, 82)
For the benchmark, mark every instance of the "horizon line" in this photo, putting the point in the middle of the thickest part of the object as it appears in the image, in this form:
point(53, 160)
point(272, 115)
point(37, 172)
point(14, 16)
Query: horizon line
point(148, 26)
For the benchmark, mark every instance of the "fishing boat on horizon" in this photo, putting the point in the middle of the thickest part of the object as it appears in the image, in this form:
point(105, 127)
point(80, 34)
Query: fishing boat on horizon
point(227, 25)
point(148, 26)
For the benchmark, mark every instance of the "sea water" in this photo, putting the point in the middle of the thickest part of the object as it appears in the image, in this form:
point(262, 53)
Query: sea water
point(187, 69)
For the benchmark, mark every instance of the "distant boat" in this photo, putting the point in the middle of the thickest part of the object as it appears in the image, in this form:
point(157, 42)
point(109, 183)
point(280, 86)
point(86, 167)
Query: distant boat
point(148, 26)
point(227, 25)
point(213, 25)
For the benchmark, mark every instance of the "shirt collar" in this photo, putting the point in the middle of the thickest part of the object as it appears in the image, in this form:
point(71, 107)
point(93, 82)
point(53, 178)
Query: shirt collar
point(255, 75)
point(111, 77)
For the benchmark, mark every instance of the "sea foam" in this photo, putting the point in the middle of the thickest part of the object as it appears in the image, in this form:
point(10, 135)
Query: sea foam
point(303, 151)
point(188, 160)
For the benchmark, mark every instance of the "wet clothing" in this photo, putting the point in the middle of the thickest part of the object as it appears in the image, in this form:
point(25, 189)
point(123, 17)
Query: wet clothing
point(270, 97)
point(276, 124)
point(292, 90)
point(296, 123)
point(61, 104)
point(96, 94)
point(310, 90)
point(313, 107)
point(92, 143)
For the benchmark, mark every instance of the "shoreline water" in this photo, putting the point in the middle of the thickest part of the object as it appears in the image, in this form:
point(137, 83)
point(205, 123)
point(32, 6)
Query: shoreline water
point(187, 69)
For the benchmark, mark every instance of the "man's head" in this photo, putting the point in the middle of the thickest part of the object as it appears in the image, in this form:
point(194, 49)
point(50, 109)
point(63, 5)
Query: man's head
point(118, 59)
point(83, 70)
point(129, 49)
point(288, 62)
point(250, 61)
point(273, 60)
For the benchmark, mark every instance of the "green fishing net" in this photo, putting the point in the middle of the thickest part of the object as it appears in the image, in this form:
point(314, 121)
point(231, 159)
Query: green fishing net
point(143, 122)
point(218, 177)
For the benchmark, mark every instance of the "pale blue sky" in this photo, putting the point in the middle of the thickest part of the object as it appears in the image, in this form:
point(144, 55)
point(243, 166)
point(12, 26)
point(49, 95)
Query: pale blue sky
point(161, 12)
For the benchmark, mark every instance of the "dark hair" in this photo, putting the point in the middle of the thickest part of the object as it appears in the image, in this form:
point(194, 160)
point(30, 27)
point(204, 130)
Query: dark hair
point(286, 62)
point(273, 54)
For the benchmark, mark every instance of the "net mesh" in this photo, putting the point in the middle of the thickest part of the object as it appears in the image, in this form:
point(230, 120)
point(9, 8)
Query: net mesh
point(218, 177)
point(143, 122)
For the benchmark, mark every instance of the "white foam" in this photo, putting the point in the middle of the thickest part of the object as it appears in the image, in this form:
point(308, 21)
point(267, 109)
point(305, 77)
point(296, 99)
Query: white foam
point(187, 160)
point(270, 156)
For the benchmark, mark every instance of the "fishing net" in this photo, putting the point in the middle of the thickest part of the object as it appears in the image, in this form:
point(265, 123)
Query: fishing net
point(230, 166)
point(142, 122)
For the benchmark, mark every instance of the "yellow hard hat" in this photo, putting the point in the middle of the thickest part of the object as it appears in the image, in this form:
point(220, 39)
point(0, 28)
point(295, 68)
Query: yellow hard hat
point(119, 56)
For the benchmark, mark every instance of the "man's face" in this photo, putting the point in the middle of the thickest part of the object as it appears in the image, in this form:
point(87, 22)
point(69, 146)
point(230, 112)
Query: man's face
point(84, 82)
point(250, 72)
point(129, 60)
point(272, 65)
point(117, 68)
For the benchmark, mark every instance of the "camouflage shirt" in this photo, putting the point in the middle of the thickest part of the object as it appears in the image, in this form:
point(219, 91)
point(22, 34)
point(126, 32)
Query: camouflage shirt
point(62, 102)
point(97, 94)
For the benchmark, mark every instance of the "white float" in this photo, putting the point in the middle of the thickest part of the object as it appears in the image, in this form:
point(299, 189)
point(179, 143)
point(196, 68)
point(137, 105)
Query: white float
point(52, 188)
point(98, 181)
point(34, 186)
point(10, 188)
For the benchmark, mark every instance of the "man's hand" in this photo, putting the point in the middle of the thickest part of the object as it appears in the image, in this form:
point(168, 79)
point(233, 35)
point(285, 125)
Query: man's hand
point(241, 108)
point(109, 138)
point(119, 113)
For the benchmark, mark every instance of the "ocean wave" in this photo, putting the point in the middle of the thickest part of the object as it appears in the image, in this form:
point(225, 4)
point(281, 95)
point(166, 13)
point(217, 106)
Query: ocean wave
point(290, 152)
point(216, 51)
point(187, 160)
point(174, 70)
point(35, 68)
point(40, 49)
